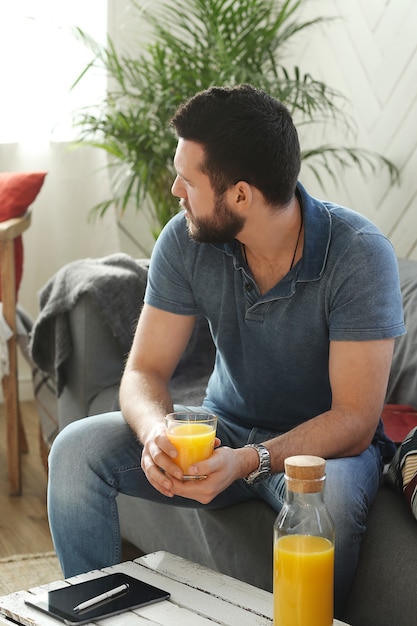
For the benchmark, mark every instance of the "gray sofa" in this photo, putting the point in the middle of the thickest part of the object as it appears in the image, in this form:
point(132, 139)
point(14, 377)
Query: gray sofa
point(236, 540)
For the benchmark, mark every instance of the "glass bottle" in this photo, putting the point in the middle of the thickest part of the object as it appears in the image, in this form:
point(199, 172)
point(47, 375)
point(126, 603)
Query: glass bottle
point(303, 567)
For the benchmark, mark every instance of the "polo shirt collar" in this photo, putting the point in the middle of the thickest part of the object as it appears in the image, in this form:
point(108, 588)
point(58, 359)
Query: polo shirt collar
point(317, 236)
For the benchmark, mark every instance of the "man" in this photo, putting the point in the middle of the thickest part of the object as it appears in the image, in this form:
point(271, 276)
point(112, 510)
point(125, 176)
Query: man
point(303, 302)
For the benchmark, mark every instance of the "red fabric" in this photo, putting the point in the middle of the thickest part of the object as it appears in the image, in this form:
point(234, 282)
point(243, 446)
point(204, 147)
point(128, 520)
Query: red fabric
point(398, 420)
point(17, 191)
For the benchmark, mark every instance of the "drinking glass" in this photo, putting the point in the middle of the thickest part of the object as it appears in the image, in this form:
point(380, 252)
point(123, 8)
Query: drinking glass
point(193, 436)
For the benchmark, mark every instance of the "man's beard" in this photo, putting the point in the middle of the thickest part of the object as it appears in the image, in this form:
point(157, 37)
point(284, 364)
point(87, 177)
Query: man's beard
point(222, 227)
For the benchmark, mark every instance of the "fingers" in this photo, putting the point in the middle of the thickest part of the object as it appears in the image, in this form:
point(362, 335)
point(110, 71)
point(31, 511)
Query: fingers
point(218, 474)
point(201, 490)
point(158, 465)
point(165, 476)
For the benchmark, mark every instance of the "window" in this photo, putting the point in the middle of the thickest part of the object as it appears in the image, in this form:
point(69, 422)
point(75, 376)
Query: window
point(40, 58)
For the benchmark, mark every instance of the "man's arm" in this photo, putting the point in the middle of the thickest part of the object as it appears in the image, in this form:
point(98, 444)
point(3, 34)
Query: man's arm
point(358, 376)
point(158, 345)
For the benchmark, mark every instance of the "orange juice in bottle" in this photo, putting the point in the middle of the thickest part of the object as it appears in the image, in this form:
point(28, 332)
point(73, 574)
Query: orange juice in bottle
point(304, 548)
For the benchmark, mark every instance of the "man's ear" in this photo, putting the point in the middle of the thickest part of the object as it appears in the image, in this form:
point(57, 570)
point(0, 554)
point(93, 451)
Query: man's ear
point(240, 195)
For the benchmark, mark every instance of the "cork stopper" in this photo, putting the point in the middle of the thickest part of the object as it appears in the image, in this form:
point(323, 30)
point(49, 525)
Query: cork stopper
point(305, 473)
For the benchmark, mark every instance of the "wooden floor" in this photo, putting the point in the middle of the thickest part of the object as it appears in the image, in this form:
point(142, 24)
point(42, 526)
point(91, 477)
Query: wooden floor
point(23, 519)
point(24, 525)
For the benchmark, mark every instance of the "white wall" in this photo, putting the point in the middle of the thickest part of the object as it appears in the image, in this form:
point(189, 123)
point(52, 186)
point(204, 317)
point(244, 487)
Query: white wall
point(369, 53)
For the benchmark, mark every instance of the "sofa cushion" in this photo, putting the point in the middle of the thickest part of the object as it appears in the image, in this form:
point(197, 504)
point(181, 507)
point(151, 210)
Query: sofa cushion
point(384, 588)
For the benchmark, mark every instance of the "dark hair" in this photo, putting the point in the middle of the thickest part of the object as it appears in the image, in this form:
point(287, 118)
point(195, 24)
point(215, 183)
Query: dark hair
point(246, 135)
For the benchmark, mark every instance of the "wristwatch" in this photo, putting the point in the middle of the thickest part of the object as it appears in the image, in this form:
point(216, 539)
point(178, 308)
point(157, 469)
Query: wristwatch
point(264, 468)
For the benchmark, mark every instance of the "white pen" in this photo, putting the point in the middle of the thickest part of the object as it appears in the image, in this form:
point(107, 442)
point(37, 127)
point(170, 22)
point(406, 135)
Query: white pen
point(101, 598)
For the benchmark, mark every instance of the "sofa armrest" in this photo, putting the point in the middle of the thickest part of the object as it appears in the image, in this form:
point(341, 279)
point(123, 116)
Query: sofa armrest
point(94, 367)
point(402, 385)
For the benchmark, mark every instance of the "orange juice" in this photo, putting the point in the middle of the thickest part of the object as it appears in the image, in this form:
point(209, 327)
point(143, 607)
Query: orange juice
point(194, 442)
point(303, 581)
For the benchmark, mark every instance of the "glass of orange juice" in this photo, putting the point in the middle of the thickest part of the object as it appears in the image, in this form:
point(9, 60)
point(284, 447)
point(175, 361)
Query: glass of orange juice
point(193, 436)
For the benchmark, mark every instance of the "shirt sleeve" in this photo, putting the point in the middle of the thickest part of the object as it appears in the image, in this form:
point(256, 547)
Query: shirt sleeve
point(365, 301)
point(169, 285)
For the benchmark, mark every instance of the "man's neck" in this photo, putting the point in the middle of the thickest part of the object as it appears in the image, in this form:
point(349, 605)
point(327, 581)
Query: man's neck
point(272, 243)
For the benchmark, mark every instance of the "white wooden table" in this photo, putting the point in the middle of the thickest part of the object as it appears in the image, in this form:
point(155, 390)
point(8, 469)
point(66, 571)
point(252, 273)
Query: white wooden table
point(199, 597)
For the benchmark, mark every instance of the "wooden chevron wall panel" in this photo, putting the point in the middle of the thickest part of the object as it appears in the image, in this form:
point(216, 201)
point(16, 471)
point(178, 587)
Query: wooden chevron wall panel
point(369, 53)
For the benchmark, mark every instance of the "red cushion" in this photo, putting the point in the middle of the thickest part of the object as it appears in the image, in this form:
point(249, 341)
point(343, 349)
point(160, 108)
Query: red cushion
point(17, 191)
point(398, 420)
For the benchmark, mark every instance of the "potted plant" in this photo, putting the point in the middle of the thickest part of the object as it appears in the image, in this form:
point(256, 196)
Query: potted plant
point(197, 44)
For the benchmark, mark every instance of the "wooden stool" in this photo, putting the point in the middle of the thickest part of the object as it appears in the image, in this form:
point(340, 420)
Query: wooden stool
point(16, 439)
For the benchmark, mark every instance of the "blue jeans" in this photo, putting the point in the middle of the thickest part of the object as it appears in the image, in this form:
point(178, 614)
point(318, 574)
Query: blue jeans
point(94, 459)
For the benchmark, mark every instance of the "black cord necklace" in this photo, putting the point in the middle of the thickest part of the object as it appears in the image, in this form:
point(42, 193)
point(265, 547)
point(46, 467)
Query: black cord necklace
point(298, 241)
point(295, 249)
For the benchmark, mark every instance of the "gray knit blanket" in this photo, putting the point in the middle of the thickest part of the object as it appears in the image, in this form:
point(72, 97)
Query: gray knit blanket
point(116, 286)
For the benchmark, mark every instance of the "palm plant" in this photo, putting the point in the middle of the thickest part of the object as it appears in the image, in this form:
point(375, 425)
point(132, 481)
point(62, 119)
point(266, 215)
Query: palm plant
point(197, 44)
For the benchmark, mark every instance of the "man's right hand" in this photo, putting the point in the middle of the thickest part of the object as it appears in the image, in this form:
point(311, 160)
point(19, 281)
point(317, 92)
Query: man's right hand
point(157, 461)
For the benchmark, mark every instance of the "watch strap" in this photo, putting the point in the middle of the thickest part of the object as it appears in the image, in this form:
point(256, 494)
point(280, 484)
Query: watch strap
point(264, 468)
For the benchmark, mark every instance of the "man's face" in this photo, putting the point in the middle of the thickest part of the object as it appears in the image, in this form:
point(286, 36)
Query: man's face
point(209, 217)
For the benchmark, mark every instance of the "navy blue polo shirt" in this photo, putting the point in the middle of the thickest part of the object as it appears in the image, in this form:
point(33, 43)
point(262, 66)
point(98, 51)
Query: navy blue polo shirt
point(272, 362)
